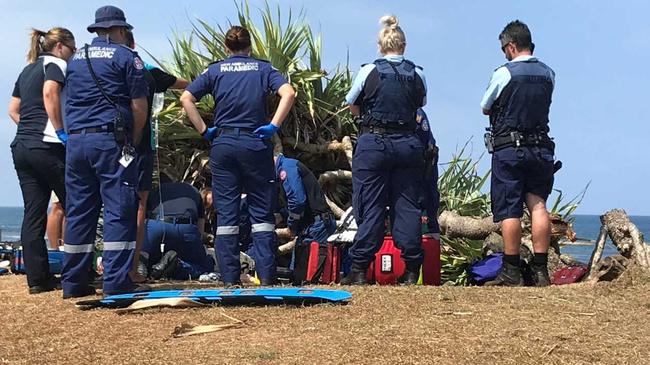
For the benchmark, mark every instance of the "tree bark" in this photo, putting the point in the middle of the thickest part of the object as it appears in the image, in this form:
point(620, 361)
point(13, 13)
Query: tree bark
point(336, 210)
point(597, 255)
point(329, 177)
point(453, 225)
point(626, 237)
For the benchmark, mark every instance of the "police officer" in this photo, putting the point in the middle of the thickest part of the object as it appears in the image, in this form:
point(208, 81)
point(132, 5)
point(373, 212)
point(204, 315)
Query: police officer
point(309, 219)
point(517, 101)
point(431, 193)
point(176, 220)
point(387, 166)
point(242, 154)
point(105, 110)
point(158, 81)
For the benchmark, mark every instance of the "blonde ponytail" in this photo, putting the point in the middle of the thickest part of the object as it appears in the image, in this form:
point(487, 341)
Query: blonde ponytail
point(391, 37)
point(46, 41)
point(36, 45)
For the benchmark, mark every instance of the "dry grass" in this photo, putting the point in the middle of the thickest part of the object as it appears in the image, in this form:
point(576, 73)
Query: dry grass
point(579, 324)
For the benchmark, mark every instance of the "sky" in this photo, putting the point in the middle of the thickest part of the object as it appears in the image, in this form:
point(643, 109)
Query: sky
point(598, 49)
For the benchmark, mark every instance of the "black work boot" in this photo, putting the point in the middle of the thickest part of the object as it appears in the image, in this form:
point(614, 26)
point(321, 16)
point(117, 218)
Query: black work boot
point(166, 266)
point(540, 275)
point(411, 274)
point(357, 276)
point(510, 275)
point(142, 268)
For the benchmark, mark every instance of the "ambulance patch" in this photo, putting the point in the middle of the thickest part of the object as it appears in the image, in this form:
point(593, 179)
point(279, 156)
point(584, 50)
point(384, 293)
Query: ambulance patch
point(137, 63)
point(425, 125)
point(283, 175)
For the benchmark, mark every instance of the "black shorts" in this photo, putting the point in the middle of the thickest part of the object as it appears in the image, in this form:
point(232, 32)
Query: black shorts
point(515, 173)
point(144, 160)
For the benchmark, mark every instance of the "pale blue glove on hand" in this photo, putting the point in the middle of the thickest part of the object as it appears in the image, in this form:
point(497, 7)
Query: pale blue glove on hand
point(63, 136)
point(210, 133)
point(266, 131)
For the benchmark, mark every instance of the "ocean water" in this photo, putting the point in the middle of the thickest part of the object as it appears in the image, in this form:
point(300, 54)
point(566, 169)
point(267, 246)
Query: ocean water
point(585, 226)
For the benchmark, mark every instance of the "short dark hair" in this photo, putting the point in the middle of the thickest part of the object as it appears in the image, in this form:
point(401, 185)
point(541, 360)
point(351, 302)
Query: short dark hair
point(238, 38)
point(518, 33)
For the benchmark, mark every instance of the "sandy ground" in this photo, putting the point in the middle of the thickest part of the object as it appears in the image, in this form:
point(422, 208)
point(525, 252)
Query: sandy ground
point(578, 324)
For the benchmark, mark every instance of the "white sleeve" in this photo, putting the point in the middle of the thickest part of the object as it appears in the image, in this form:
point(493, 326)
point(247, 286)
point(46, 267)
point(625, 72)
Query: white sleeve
point(358, 83)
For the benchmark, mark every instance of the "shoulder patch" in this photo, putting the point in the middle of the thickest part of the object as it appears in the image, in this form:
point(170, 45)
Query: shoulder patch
point(283, 175)
point(137, 63)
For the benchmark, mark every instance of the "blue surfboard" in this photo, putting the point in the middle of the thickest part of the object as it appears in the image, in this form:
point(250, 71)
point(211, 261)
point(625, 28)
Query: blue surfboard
point(261, 296)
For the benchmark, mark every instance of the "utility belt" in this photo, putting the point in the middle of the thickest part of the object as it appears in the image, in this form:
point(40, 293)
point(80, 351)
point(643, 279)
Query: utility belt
point(325, 217)
point(175, 220)
point(363, 129)
point(236, 131)
point(517, 139)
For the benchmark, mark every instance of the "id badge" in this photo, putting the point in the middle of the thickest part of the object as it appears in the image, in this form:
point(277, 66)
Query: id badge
point(128, 154)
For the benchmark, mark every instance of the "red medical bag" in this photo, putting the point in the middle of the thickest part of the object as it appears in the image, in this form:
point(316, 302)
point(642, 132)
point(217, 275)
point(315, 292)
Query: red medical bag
point(317, 265)
point(389, 266)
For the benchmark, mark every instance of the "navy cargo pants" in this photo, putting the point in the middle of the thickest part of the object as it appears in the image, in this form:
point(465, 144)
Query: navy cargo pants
point(185, 239)
point(387, 171)
point(240, 161)
point(93, 175)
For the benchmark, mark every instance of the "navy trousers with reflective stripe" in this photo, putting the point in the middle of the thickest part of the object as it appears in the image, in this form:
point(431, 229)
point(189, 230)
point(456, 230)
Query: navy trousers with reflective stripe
point(94, 176)
point(243, 162)
point(185, 239)
point(387, 171)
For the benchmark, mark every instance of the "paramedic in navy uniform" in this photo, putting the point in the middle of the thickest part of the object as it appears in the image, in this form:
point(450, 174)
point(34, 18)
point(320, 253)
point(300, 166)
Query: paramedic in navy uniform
point(100, 166)
point(38, 149)
point(388, 162)
point(517, 100)
point(242, 153)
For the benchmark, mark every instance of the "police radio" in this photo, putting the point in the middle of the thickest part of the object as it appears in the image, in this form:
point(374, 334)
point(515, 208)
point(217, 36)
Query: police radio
point(119, 124)
point(488, 139)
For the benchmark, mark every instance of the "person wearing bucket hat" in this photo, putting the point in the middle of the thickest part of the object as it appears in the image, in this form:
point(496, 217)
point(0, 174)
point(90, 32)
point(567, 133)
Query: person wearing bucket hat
point(108, 17)
point(106, 110)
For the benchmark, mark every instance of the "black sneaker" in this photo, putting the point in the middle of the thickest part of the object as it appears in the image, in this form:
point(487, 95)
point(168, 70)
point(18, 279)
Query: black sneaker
point(540, 275)
point(166, 266)
point(268, 282)
point(510, 275)
point(89, 290)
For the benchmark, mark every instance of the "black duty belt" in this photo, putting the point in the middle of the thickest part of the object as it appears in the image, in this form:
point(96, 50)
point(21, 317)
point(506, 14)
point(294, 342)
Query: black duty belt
point(234, 131)
point(177, 220)
point(384, 130)
point(327, 216)
point(99, 129)
point(519, 139)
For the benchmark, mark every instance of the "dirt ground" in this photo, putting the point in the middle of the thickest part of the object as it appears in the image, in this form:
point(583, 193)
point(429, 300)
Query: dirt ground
point(579, 324)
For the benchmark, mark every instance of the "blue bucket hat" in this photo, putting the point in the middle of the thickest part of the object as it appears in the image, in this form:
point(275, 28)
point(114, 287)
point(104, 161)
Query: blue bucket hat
point(108, 17)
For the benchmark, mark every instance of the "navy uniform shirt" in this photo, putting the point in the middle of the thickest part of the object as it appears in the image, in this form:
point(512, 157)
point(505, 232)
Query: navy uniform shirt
point(35, 126)
point(239, 85)
point(423, 129)
point(178, 200)
point(304, 197)
point(121, 74)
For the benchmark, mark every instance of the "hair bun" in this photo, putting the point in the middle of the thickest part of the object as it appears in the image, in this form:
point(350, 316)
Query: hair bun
point(389, 21)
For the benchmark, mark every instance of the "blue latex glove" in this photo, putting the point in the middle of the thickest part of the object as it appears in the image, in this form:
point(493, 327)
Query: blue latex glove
point(63, 136)
point(210, 133)
point(266, 131)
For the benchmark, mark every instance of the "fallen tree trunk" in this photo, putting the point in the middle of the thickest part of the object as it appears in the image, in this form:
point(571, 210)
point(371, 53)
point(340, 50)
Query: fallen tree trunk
point(453, 225)
point(626, 237)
